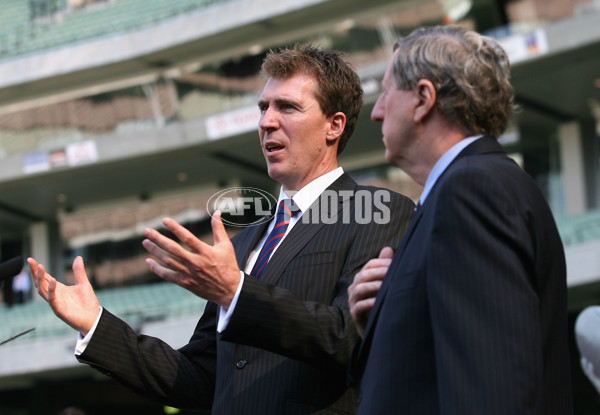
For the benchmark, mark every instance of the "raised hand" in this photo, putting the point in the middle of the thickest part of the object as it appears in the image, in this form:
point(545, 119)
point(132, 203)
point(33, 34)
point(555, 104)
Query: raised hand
point(76, 305)
point(364, 289)
point(210, 272)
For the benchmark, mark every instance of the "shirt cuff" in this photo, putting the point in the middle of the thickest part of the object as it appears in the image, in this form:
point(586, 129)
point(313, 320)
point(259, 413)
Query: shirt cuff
point(82, 342)
point(225, 315)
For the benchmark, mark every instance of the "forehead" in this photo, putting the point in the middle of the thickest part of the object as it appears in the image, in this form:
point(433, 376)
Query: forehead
point(299, 86)
point(388, 77)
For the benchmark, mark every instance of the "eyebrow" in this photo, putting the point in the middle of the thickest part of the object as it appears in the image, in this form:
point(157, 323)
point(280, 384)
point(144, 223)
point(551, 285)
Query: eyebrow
point(279, 102)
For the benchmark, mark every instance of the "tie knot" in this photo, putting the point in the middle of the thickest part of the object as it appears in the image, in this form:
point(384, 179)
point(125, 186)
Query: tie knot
point(288, 208)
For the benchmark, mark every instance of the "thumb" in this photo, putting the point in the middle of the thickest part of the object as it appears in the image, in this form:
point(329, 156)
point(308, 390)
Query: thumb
point(79, 271)
point(386, 252)
point(219, 232)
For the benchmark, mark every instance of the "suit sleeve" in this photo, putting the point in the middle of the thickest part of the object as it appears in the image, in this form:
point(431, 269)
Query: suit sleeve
point(485, 311)
point(319, 333)
point(183, 378)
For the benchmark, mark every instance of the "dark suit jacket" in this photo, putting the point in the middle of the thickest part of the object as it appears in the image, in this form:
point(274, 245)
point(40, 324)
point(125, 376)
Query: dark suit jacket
point(287, 345)
point(471, 317)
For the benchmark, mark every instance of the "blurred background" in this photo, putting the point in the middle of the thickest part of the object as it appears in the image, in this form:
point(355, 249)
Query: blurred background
point(117, 113)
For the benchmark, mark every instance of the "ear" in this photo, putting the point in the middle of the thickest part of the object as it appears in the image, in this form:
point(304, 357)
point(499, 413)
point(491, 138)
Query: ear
point(337, 124)
point(426, 98)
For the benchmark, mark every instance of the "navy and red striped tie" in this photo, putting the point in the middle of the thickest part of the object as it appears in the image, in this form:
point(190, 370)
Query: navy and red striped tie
point(285, 211)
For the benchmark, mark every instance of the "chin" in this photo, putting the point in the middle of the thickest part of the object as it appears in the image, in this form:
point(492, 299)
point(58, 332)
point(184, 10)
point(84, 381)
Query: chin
point(388, 157)
point(275, 174)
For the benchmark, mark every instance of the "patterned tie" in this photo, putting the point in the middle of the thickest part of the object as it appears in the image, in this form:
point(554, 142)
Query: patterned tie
point(285, 211)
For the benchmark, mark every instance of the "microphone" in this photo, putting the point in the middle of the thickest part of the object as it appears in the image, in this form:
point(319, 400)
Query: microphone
point(10, 268)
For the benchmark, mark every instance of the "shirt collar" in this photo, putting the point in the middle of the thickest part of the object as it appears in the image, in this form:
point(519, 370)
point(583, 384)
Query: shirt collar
point(442, 164)
point(305, 197)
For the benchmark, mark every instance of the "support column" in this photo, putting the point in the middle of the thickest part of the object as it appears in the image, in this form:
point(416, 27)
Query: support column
point(38, 233)
point(38, 237)
point(572, 167)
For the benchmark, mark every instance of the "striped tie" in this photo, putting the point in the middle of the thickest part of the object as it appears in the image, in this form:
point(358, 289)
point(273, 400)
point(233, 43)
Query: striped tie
point(285, 211)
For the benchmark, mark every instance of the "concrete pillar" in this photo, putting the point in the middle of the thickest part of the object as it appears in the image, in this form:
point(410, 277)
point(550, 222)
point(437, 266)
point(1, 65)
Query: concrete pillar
point(38, 233)
point(39, 245)
point(572, 167)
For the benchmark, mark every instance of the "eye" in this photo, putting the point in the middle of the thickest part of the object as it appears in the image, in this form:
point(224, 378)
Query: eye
point(263, 108)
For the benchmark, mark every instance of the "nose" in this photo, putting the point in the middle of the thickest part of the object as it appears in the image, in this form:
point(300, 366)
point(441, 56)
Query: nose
point(378, 110)
point(268, 119)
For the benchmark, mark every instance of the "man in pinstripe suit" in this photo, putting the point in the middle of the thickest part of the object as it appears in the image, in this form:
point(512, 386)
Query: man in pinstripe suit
point(279, 344)
point(471, 316)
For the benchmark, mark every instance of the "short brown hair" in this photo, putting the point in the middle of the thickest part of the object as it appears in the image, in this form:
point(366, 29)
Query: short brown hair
point(339, 87)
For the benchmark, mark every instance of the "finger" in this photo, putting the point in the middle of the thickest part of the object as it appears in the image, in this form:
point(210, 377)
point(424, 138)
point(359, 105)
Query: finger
point(40, 274)
point(152, 248)
point(360, 314)
point(167, 245)
point(378, 262)
point(363, 291)
point(362, 307)
point(369, 290)
point(163, 272)
point(33, 265)
point(161, 257)
point(42, 282)
point(162, 248)
point(185, 236)
point(161, 241)
point(51, 292)
point(386, 252)
point(219, 232)
point(371, 274)
point(376, 265)
point(79, 271)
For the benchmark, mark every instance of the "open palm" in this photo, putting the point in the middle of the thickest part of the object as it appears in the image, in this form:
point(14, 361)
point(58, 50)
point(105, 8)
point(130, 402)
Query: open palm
point(76, 305)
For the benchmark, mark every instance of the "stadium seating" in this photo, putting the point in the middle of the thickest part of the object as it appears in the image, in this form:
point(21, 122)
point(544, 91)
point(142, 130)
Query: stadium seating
point(136, 305)
point(19, 35)
point(579, 229)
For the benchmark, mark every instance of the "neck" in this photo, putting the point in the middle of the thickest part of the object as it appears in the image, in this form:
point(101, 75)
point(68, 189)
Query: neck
point(431, 148)
point(295, 186)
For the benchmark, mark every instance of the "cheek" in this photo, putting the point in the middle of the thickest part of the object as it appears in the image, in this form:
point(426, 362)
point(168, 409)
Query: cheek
point(391, 137)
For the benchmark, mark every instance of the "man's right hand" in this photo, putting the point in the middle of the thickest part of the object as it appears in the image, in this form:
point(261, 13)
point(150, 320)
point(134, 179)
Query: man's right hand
point(76, 305)
point(364, 289)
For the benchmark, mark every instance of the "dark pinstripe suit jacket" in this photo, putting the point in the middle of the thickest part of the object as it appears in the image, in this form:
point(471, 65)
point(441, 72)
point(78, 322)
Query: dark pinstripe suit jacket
point(471, 318)
point(287, 345)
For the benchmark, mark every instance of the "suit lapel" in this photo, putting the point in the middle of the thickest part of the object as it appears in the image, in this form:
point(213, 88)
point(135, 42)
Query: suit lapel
point(246, 241)
point(303, 232)
point(389, 277)
point(483, 145)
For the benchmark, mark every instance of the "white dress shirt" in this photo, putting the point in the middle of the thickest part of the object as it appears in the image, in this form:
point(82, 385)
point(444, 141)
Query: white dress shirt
point(303, 199)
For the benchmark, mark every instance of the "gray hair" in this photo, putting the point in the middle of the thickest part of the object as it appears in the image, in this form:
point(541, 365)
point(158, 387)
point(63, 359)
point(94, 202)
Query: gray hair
point(470, 73)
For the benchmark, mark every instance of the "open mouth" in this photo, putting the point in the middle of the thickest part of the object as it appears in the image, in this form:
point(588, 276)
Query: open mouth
point(274, 147)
